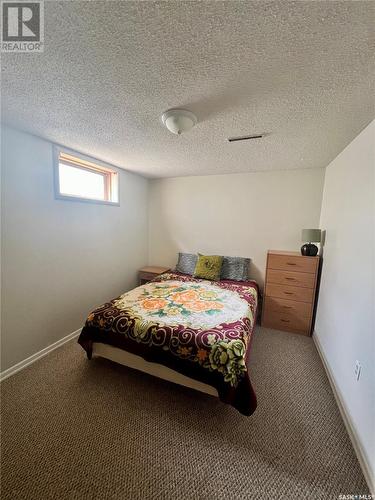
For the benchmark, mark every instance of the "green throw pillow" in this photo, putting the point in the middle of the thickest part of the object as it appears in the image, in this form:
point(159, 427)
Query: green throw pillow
point(208, 267)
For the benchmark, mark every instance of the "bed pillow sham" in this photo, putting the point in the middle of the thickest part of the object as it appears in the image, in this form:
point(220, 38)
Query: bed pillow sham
point(186, 263)
point(235, 268)
point(208, 267)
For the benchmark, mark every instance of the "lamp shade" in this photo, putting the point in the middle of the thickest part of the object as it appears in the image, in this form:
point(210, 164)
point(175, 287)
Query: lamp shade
point(311, 235)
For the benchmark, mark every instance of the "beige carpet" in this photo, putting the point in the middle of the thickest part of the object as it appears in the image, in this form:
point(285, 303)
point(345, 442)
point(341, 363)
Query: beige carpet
point(74, 429)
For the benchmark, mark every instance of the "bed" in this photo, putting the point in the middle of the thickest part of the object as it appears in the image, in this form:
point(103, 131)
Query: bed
point(190, 331)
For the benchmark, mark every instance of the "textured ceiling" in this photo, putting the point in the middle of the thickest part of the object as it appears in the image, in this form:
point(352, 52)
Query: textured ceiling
point(303, 72)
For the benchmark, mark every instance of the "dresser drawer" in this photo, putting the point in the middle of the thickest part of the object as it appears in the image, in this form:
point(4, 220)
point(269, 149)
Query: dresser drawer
point(292, 263)
point(289, 292)
point(306, 280)
point(288, 322)
point(276, 305)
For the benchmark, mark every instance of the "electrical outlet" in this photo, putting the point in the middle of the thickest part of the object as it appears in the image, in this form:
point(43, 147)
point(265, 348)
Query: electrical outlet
point(357, 369)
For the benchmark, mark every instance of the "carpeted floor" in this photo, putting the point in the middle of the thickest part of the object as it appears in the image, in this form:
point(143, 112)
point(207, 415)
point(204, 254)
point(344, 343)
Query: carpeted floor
point(74, 429)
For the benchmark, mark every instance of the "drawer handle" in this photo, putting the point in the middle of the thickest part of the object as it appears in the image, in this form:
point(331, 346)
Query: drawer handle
point(289, 293)
point(285, 321)
point(287, 307)
point(290, 279)
point(291, 263)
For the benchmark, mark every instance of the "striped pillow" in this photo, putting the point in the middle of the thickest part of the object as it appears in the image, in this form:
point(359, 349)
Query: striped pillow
point(235, 268)
point(186, 263)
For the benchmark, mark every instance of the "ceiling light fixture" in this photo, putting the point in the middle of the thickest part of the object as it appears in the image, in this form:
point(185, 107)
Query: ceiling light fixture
point(178, 121)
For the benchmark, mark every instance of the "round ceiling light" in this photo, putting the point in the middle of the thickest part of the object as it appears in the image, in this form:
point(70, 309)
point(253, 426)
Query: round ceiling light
point(178, 121)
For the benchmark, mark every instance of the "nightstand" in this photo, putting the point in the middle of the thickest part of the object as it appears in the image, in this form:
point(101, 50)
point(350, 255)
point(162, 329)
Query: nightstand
point(148, 273)
point(290, 289)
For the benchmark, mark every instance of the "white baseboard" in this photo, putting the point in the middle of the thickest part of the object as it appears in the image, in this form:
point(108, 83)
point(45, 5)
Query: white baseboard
point(28, 361)
point(353, 435)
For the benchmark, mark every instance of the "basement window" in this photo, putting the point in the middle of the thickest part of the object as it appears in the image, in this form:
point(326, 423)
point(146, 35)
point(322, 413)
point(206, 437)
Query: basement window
point(79, 178)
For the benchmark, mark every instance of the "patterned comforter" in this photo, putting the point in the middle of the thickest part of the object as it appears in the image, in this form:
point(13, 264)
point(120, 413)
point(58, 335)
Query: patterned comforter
point(199, 328)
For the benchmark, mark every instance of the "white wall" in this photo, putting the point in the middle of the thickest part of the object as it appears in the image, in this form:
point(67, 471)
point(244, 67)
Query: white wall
point(345, 323)
point(60, 259)
point(239, 215)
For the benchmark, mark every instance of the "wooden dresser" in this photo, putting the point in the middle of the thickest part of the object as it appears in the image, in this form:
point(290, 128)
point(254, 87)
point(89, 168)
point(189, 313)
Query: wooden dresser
point(289, 294)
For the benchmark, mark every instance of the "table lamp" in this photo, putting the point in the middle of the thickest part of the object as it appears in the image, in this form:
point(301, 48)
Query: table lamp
point(310, 235)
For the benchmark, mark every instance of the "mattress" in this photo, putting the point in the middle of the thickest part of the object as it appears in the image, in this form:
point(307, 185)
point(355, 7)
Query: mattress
point(155, 369)
point(199, 329)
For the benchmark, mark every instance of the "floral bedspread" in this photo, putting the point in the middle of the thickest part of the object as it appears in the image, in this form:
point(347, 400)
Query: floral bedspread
point(197, 327)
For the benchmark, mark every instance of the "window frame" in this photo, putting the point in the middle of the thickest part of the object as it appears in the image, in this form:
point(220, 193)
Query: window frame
point(110, 173)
